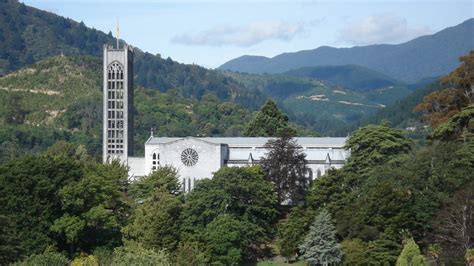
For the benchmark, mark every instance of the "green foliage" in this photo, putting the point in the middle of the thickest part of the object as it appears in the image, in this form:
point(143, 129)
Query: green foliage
point(267, 122)
point(320, 244)
point(93, 207)
point(227, 239)
point(384, 250)
point(375, 144)
point(153, 223)
point(189, 254)
point(163, 178)
point(242, 192)
point(285, 166)
point(459, 126)
point(29, 195)
point(411, 255)
point(292, 230)
point(10, 248)
point(70, 204)
point(247, 201)
point(137, 255)
point(355, 252)
point(45, 259)
point(85, 260)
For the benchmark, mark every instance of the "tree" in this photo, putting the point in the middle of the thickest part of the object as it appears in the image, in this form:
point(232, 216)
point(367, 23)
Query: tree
point(227, 240)
point(154, 224)
point(29, 195)
point(10, 245)
point(454, 223)
point(240, 192)
point(285, 166)
point(189, 254)
point(292, 230)
point(459, 126)
point(138, 255)
point(268, 121)
point(375, 144)
point(45, 259)
point(439, 106)
point(355, 252)
point(164, 177)
point(411, 255)
point(320, 245)
point(94, 208)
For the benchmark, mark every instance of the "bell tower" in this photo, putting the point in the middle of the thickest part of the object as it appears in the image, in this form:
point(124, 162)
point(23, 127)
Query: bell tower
point(117, 103)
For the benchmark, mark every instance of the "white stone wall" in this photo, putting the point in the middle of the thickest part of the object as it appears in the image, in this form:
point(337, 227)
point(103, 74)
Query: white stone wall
point(210, 158)
point(213, 156)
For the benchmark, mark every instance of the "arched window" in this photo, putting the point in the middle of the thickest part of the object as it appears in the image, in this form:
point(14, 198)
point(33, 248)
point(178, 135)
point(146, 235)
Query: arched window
point(155, 160)
point(115, 71)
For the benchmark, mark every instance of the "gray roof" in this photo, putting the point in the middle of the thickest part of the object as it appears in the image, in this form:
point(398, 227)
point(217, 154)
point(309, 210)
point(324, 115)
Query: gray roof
point(258, 141)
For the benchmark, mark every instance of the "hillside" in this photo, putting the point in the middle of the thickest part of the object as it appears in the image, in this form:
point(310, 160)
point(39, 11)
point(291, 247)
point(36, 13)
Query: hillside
point(60, 99)
point(28, 34)
point(317, 104)
point(426, 56)
point(400, 114)
point(352, 77)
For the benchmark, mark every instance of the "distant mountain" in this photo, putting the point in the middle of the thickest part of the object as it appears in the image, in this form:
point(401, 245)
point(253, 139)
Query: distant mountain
point(28, 34)
point(351, 77)
point(426, 56)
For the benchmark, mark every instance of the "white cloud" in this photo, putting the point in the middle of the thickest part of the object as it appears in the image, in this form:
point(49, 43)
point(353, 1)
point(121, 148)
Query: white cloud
point(377, 29)
point(245, 35)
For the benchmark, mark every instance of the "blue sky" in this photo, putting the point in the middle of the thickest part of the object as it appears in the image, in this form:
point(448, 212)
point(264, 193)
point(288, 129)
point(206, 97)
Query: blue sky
point(209, 33)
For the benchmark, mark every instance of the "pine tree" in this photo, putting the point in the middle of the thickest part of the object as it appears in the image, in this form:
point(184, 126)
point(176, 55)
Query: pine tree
point(268, 121)
point(411, 255)
point(320, 245)
point(285, 166)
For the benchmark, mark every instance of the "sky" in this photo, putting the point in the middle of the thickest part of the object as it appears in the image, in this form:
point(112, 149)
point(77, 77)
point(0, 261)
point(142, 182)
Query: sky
point(210, 33)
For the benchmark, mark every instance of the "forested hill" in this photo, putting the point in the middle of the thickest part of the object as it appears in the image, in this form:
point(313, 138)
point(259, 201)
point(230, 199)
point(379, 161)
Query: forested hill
point(352, 77)
point(60, 98)
point(426, 56)
point(28, 34)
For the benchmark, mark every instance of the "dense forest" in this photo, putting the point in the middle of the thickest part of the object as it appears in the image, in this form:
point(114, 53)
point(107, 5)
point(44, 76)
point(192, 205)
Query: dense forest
point(396, 201)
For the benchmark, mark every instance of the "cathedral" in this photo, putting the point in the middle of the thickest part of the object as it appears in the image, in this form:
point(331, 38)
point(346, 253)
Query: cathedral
point(194, 158)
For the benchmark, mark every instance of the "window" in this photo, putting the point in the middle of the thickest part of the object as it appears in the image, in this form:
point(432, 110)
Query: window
point(155, 159)
point(115, 71)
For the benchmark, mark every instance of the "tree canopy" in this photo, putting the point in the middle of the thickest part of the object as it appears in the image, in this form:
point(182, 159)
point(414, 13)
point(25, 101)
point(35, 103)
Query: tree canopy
point(267, 122)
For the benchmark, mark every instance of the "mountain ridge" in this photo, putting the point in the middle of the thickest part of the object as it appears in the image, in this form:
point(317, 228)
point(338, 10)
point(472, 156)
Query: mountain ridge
point(429, 55)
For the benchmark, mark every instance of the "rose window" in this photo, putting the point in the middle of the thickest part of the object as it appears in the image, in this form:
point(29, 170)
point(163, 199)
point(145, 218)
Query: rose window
point(189, 157)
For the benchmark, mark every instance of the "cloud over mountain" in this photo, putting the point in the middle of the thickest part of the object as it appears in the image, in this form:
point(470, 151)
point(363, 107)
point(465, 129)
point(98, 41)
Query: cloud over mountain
point(377, 29)
point(244, 35)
